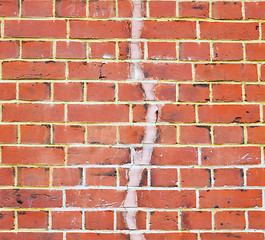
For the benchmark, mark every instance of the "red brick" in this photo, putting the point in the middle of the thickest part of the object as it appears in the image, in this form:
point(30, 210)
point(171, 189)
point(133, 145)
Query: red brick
point(194, 93)
point(256, 177)
point(194, 134)
point(36, 49)
point(124, 8)
point(98, 70)
point(32, 155)
point(34, 28)
point(30, 198)
point(102, 50)
point(33, 177)
point(124, 174)
point(98, 113)
point(70, 49)
point(9, 8)
point(70, 8)
point(230, 198)
point(9, 49)
point(227, 51)
point(35, 134)
point(94, 198)
point(174, 156)
point(255, 93)
point(34, 91)
point(101, 134)
point(229, 30)
point(228, 177)
point(229, 113)
point(67, 176)
point(131, 92)
point(31, 235)
point(97, 236)
point(226, 72)
point(228, 134)
point(39, 8)
point(164, 177)
point(198, 9)
point(7, 91)
point(140, 217)
point(100, 91)
point(255, 219)
point(193, 51)
point(223, 156)
point(69, 134)
point(171, 236)
point(99, 220)
point(166, 134)
point(230, 220)
point(7, 178)
point(227, 10)
point(32, 219)
point(8, 134)
point(102, 9)
point(33, 112)
point(255, 51)
point(131, 134)
point(165, 92)
point(256, 134)
point(125, 50)
point(254, 10)
point(33, 70)
point(196, 220)
point(67, 220)
point(6, 220)
point(192, 177)
point(69, 91)
point(99, 29)
point(161, 50)
point(101, 177)
point(227, 92)
point(162, 9)
point(98, 155)
point(164, 221)
point(166, 198)
point(232, 236)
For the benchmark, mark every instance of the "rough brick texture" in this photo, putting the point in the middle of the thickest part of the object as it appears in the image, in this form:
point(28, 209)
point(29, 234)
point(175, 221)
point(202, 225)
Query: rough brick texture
point(132, 119)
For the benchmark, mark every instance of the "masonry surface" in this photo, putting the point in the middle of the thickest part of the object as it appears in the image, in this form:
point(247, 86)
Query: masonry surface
point(130, 119)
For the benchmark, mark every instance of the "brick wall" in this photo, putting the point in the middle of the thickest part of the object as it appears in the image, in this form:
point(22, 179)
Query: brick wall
point(139, 120)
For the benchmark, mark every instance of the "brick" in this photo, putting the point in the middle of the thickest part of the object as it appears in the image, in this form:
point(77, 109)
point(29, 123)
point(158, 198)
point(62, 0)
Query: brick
point(125, 50)
point(33, 70)
point(194, 135)
point(33, 112)
point(94, 198)
point(166, 134)
point(174, 156)
point(70, 8)
point(228, 134)
point(96, 236)
point(7, 91)
point(140, 217)
point(168, 29)
point(7, 178)
point(227, 51)
point(232, 198)
point(171, 236)
point(30, 198)
point(101, 134)
point(256, 134)
point(98, 113)
point(102, 9)
point(160, 9)
point(227, 10)
point(33, 177)
point(35, 134)
point(230, 220)
point(196, 220)
point(100, 91)
point(9, 8)
point(8, 134)
point(68, 134)
point(40, 8)
point(7, 220)
point(228, 177)
point(255, 93)
point(256, 177)
point(34, 91)
point(255, 219)
point(255, 51)
point(98, 155)
point(166, 198)
point(194, 93)
point(131, 92)
point(254, 10)
point(99, 220)
point(37, 49)
point(223, 156)
point(69, 91)
point(9, 49)
point(66, 219)
point(104, 50)
point(34, 28)
point(198, 9)
point(99, 29)
point(33, 155)
point(165, 92)
point(229, 113)
point(226, 72)
point(232, 236)
point(193, 51)
point(101, 176)
point(32, 219)
point(164, 177)
point(131, 134)
point(164, 221)
point(229, 30)
point(67, 177)
point(70, 49)
point(193, 177)
point(125, 176)
point(227, 92)
point(161, 50)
